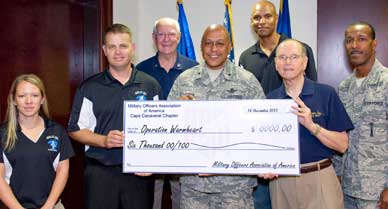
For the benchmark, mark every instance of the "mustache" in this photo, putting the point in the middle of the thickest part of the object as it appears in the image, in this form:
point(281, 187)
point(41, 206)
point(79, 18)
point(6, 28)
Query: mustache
point(355, 52)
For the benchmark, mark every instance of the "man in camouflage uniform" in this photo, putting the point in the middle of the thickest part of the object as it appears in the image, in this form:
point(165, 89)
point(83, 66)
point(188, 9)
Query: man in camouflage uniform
point(216, 79)
point(364, 167)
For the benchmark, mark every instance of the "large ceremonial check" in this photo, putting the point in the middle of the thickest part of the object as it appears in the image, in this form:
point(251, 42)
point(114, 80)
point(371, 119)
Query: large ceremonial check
point(223, 137)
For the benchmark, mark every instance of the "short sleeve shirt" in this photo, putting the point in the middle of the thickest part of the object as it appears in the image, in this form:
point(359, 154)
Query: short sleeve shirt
point(31, 166)
point(327, 110)
point(98, 107)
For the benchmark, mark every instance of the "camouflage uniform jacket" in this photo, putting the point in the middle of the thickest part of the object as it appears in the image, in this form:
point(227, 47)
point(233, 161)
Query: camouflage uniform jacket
point(364, 167)
point(233, 83)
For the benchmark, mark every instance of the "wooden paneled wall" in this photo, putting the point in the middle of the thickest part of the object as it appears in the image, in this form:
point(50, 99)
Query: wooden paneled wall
point(333, 18)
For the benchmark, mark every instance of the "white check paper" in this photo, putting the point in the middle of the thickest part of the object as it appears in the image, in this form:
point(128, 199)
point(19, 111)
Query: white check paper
point(220, 137)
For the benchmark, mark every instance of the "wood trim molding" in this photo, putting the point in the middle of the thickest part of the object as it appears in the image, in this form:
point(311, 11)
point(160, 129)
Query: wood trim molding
point(106, 15)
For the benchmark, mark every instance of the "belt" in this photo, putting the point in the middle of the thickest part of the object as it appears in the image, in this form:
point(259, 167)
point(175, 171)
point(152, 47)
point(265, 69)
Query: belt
point(316, 167)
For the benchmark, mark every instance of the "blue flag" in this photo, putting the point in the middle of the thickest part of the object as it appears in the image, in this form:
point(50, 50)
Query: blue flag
point(185, 46)
point(228, 25)
point(284, 26)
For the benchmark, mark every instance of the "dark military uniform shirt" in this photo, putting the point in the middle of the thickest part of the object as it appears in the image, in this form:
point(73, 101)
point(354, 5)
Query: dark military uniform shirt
point(98, 107)
point(327, 110)
point(30, 167)
point(152, 67)
point(263, 67)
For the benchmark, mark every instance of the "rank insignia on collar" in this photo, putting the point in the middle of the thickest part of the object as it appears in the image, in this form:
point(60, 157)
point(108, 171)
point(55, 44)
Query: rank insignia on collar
point(231, 90)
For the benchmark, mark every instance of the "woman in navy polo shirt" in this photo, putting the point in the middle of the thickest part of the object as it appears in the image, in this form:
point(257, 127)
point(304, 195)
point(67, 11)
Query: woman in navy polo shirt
point(34, 151)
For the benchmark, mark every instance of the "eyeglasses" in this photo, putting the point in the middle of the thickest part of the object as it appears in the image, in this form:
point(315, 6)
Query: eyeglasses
point(171, 35)
point(217, 44)
point(292, 57)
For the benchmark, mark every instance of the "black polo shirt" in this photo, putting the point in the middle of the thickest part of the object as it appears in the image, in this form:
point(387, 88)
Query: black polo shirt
point(98, 106)
point(263, 67)
point(31, 166)
point(152, 67)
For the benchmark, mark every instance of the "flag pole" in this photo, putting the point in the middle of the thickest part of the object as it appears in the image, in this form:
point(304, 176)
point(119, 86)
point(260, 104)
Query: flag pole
point(228, 23)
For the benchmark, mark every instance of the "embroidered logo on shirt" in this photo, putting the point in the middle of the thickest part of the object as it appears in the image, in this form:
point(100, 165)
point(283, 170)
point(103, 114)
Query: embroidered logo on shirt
point(316, 114)
point(52, 141)
point(141, 95)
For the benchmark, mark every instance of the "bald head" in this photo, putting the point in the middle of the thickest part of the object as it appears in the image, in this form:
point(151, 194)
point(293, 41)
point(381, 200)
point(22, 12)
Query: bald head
point(215, 46)
point(291, 60)
point(216, 27)
point(294, 43)
point(264, 3)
